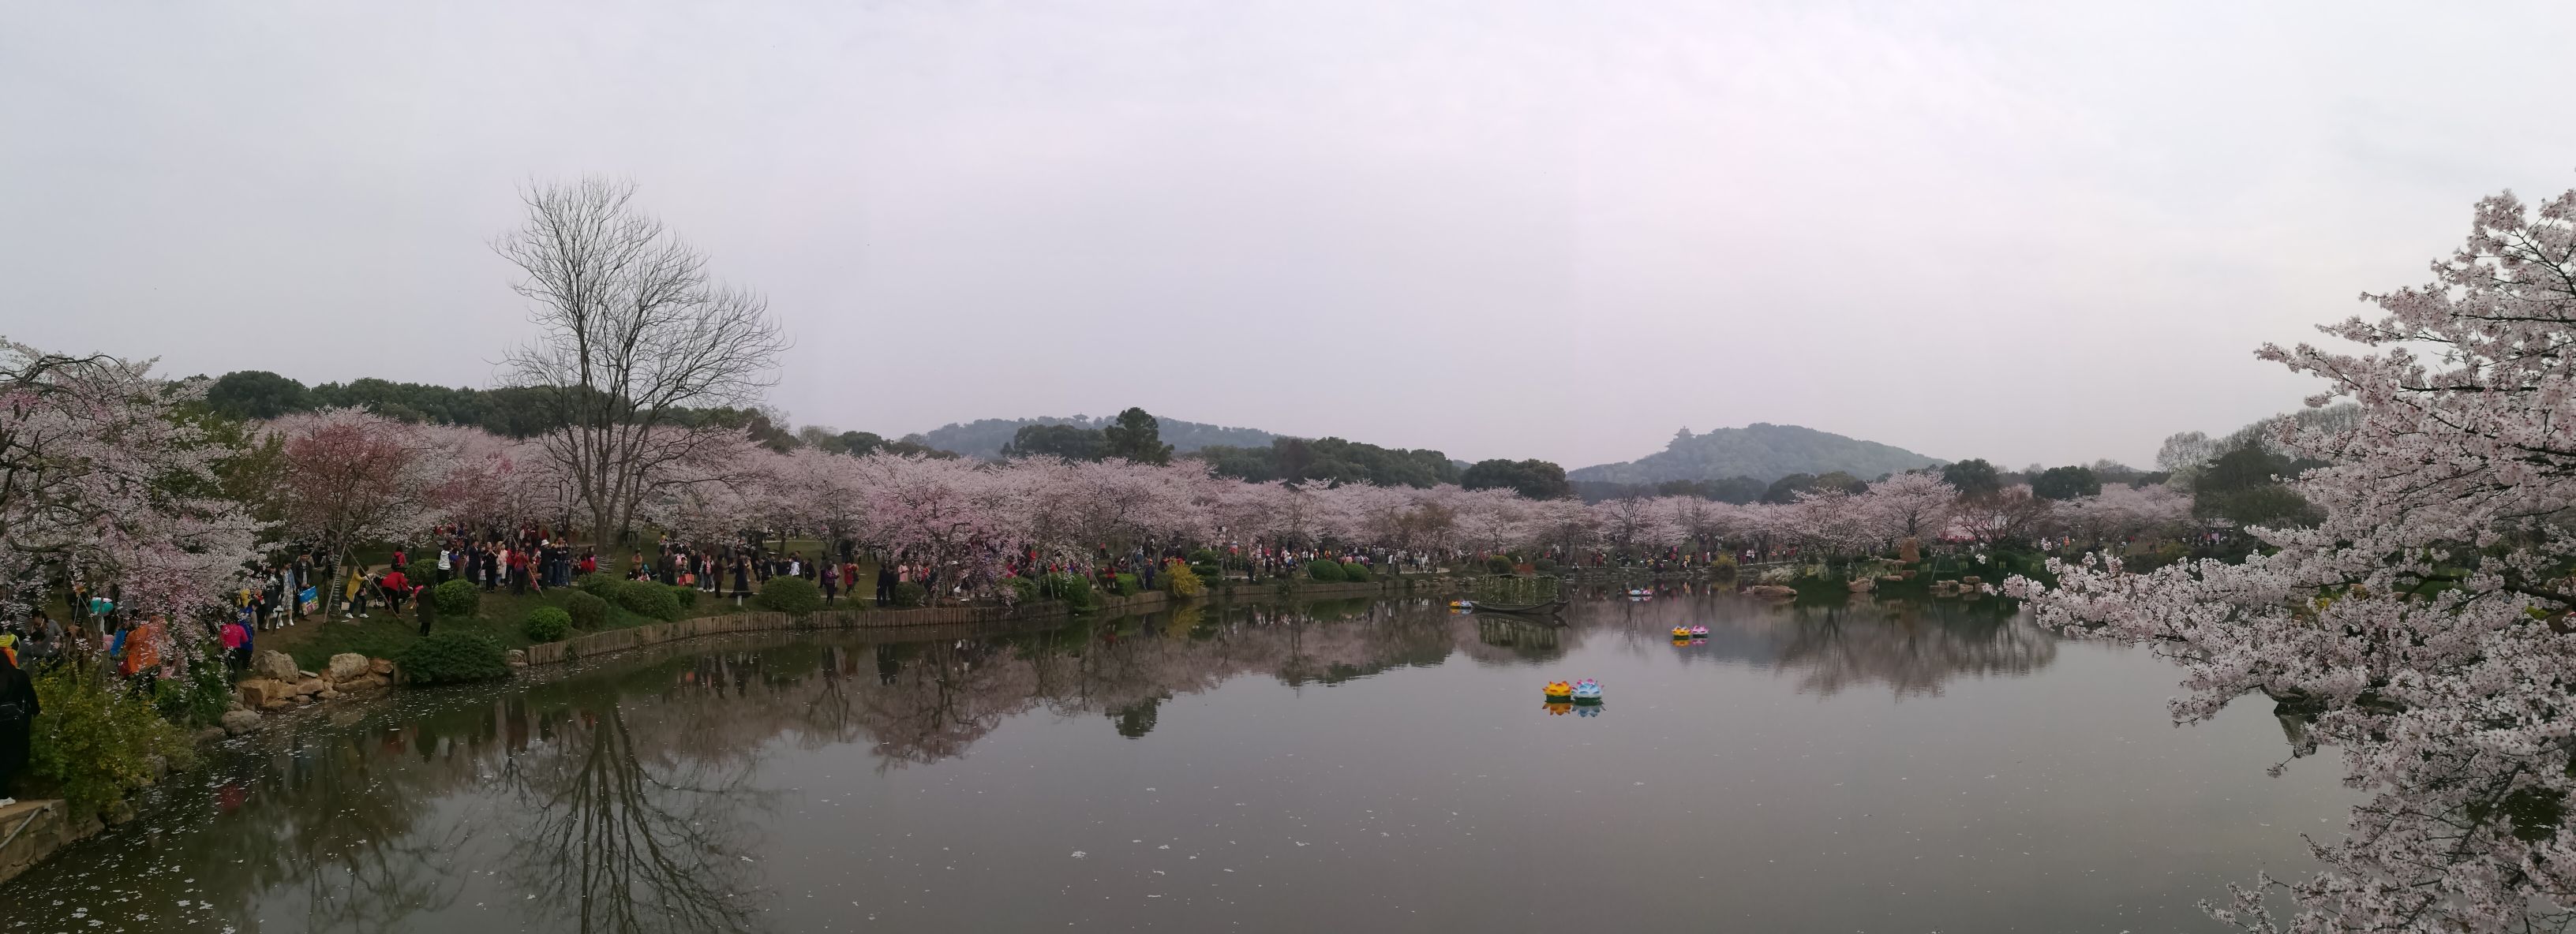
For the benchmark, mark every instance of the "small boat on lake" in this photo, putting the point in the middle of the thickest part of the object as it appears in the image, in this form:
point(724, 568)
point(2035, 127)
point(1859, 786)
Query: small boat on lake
point(1550, 608)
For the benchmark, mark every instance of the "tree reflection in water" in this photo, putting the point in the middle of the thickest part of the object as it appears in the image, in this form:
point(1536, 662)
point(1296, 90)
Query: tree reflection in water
point(620, 796)
point(626, 834)
point(1912, 648)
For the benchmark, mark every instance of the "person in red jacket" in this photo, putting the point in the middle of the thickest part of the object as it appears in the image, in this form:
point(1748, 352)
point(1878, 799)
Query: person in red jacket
point(396, 588)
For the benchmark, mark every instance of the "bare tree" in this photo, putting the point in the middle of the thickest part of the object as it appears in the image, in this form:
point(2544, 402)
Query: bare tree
point(631, 333)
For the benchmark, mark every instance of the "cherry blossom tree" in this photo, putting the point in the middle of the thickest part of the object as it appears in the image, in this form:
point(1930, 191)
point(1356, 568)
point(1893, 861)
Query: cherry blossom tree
point(1495, 519)
point(105, 479)
point(1636, 522)
point(949, 514)
point(352, 477)
point(1830, 520)
point(2010, 514)
point(1703, 521)
point(2121, 511)
point(2423, 628)
point(488, 481)
point(1910, 505)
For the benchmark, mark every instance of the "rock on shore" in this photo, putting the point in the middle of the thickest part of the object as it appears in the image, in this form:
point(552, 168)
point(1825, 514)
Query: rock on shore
point(276, 684)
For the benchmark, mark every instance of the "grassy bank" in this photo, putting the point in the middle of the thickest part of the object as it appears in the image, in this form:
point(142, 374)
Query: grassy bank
point(498, 616)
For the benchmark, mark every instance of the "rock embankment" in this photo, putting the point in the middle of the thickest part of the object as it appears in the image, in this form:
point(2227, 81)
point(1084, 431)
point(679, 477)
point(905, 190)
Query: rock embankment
point(277, 685)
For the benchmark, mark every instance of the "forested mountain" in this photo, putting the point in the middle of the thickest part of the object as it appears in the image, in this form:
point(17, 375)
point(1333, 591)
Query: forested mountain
point(1760, 451)
point(984, 437)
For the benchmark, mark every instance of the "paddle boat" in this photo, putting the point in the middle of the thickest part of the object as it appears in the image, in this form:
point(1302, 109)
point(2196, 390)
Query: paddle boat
point(1683, 632)
point(1587, 691)
point(1699, 631)
point(1559, 691)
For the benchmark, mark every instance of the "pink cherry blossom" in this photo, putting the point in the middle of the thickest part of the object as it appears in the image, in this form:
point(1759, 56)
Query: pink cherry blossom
point(2423, 628)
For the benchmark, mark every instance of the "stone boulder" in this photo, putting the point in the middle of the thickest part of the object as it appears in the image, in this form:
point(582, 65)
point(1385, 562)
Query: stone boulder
point(381, 667)
point(1772, 591)
point(275, 665)
point(1863, 585)
point(238, 722)
point(518, 658)
point(310, 686)
point(346, 665)
point(258, 692)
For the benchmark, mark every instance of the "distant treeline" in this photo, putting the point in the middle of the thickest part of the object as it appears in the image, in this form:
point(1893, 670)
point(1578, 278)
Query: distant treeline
point(1970, 476)
point(985, 438)
point(512, 412)
point(1133, 435)
point(1136, 435)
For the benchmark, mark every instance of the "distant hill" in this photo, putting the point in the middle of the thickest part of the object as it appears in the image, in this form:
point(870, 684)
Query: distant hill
point(1762, 451)
point(983, 438)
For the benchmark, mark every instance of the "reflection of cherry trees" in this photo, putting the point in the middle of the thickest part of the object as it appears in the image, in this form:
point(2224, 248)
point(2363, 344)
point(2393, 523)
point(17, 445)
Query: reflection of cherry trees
point(1912, 648)
point(618, 795)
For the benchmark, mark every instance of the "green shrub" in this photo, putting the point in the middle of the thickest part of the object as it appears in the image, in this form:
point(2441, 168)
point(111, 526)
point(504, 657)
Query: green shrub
point(1207, 572)
point(1327, 571)
point(456, 598)
point(199, 697)
point(1722, 564)
point(587, 611)
point(1023, 590)
point(1499, 564)
point(547, 624)
point(688, 596)
point(1180, 581)
point(1073, 589)
point(1356, 572)
point(600, 585)
point(1128, 586)
point(646, 598)
point(454, 655)
point(909, 594)
point(1206, 556)
point(791, 595)
point(95, 741)
point(1545, 565)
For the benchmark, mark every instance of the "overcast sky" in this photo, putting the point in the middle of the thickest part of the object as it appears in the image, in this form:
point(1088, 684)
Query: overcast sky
point(2042, 233)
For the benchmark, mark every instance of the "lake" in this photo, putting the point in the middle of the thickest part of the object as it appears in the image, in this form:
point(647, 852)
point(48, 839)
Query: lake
point(1360, 766)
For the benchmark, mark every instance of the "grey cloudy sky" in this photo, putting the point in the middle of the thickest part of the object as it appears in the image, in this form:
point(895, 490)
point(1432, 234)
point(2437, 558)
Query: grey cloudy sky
point(2046, 232)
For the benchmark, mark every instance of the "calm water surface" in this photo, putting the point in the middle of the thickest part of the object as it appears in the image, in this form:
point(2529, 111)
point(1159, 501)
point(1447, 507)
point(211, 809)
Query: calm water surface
point(1358, 766)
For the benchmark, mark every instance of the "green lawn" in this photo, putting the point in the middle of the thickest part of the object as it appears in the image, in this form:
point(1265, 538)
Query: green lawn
point(312, 642)
point(385, 634)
